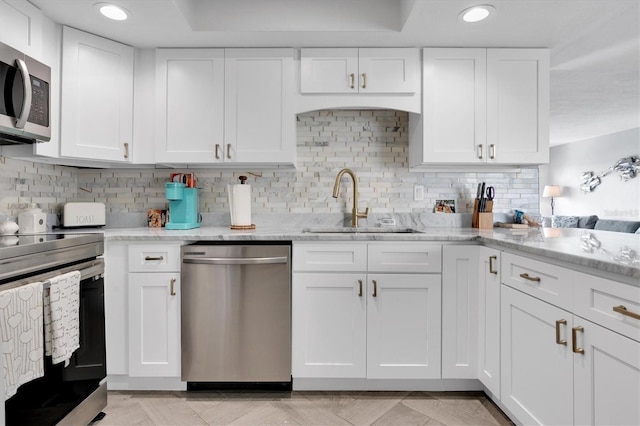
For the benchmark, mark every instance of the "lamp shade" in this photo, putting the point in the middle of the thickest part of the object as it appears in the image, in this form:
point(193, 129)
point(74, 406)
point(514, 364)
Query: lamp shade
point(551, 191)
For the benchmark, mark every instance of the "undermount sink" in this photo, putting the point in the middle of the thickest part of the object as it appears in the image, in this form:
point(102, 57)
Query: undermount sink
point(361, 230)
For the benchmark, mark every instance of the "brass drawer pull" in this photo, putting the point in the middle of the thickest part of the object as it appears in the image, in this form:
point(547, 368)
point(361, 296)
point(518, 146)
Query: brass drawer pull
point(229, 151)
point(360, 288)
point(352, 76)
point(528, 278)
point(217, 151)
point(491, 270)
point(623, 310)
point(492, 151)
point(375, 288)
point(146, 258)
point(172, 290)
point(364, 80)
point(480, 149)
point(126, 150)
point(558, 339)
point(574, 337)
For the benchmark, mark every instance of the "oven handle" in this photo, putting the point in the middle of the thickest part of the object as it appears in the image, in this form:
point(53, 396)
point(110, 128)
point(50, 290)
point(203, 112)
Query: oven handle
point(26, 104)
point(234, 260)
point(90, 269)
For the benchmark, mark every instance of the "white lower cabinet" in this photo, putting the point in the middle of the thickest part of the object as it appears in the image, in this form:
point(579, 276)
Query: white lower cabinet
point(459, 312)
point(364, 322)
point(403, 326)
point(329, 325)
point(537, 372)
point(489, 319)
point(559, 368)
point(154, 324)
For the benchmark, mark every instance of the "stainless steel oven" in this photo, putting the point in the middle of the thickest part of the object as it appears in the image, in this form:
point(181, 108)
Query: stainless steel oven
point(24, 98)
point(66, 395)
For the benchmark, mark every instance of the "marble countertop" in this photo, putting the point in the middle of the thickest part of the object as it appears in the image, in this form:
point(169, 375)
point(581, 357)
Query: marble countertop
point(612, 252)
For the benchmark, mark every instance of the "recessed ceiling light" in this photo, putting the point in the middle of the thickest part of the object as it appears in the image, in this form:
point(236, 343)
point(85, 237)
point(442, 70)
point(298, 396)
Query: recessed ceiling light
point(112, 11)
point(476, 13)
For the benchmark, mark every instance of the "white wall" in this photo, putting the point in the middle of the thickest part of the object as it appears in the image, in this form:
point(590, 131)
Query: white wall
point(613, 198)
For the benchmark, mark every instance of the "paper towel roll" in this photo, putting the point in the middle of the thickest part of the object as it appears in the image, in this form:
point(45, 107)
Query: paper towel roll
point(240, 204)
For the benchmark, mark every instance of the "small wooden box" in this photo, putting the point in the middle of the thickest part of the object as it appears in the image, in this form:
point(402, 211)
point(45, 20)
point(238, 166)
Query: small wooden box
point(485, 220)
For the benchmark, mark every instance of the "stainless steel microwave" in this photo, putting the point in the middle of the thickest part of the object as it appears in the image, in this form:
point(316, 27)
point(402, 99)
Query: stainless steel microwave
point(24, 98)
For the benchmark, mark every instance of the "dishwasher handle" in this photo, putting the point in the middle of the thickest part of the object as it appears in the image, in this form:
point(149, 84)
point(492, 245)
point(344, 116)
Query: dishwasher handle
point(235, 260)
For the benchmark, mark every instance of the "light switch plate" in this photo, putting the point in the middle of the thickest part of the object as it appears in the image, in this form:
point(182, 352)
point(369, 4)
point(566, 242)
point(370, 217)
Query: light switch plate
point(418, 193)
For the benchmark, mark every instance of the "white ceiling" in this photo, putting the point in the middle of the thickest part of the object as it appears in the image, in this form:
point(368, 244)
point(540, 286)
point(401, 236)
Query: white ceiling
point(595, 44)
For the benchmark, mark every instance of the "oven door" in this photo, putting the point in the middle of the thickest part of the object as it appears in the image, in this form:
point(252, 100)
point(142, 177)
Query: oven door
point(59, 395)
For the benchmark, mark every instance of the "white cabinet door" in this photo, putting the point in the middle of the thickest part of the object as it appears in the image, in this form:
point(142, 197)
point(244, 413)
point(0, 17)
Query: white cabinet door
point(97, 97)
point(489, 319)
point(260, 123)
point(154, 324)
point(21, 26)
point(536, 371)
point(352, 70)
point(459, 312)
point(189, 105)
point(389, 70)
point(329, 70)
point(454, 106)
point(403, 326)
point(116, 300)
point(518, 106)
point(329, 325)
point(606, 377)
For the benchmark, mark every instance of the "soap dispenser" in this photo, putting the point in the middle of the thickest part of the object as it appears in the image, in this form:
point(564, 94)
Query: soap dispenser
point(32, 220)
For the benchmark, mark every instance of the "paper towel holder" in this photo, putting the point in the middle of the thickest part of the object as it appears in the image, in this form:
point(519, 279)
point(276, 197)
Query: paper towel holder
point(239, 227)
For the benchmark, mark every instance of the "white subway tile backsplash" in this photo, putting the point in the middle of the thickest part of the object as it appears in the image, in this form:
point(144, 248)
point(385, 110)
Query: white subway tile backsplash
point(373, 143)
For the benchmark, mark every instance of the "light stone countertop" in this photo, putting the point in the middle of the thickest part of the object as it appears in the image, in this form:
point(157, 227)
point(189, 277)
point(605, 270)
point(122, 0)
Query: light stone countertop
point(611, 252)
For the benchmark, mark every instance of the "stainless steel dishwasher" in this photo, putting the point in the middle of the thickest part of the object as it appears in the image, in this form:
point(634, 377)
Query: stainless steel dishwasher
point(236, 314)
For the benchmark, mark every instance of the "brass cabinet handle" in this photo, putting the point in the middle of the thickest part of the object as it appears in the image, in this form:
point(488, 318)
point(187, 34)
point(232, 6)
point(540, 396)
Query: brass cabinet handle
point(574, 337)
point(364, 80)
point(492, 151)
point(491, 270)
point(352, 76)
point(375, 288)
point(558, 339)
point(229, 151)
point(623, 310)
point(528, 278)
point(154, 258)
point(126, 150)
point(172, 290)
point(480, 150)
point(360, 288)
point(217, 151)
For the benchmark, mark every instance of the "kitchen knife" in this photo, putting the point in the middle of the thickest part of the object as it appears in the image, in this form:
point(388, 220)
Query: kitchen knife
point(482, 201)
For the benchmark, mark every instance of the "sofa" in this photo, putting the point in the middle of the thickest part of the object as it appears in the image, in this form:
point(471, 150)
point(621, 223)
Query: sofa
point(592, 222)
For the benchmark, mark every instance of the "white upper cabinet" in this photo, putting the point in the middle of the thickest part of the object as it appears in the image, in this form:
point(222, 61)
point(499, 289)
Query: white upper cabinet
point(351, 70)
point(259, 121)
point(518, 106)
point(189, 116)
point(21, 26)
point(483, 106)
point(97, 98)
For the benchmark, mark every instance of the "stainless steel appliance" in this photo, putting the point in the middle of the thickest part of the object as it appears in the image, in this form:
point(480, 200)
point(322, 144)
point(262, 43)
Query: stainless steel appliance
point(75, 394)
point(24, 98)
point(236, 315)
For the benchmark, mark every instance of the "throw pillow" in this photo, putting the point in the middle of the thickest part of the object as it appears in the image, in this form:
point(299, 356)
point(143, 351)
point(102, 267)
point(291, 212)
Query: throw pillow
point(564, 221)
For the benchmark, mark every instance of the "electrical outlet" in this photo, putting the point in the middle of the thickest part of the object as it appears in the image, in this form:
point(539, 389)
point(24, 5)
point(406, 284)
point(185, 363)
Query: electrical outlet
point(418, 193)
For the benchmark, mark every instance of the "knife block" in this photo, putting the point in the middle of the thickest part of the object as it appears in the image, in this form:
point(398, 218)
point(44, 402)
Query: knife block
point(482, 220)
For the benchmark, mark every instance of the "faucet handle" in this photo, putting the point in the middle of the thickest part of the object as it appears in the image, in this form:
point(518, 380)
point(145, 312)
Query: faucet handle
point(363, 214)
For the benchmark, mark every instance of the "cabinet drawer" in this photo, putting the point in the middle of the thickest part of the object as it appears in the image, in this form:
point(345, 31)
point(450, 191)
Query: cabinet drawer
point(595, 298)
point(406, 257)
point(547, 282)
point(154, 258)
point(329, 257)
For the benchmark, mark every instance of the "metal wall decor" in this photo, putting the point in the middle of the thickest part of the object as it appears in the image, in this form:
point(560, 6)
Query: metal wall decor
point(627, 168)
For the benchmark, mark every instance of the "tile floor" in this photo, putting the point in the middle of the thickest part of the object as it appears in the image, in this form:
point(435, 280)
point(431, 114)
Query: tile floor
point(301, 408)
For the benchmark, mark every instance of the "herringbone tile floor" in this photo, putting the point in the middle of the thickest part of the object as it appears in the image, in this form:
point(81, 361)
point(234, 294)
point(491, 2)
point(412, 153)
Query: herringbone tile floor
point(301, 408)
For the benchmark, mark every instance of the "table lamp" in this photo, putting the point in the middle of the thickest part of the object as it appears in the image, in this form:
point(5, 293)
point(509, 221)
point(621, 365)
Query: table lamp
point(551, 191)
